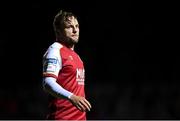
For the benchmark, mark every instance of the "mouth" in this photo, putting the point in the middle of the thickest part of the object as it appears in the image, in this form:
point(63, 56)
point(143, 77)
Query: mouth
point(74, 35)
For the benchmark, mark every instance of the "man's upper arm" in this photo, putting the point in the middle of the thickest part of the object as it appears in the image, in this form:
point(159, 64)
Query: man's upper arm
point(52, 63)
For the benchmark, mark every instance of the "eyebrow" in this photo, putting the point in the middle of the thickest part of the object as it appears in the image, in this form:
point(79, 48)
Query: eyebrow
point(70, 23)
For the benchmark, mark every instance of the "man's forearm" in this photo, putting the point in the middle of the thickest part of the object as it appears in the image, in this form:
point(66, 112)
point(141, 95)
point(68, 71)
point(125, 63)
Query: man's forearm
point(51, 86)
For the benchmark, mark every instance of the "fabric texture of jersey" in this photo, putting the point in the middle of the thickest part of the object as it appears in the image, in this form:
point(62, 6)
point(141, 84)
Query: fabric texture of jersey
point(66, 66)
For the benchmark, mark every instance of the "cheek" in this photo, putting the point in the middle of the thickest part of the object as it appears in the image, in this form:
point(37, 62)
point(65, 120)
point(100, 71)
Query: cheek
point(68, 32)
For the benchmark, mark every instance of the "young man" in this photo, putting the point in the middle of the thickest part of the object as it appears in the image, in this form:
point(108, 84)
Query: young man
point(63, 72)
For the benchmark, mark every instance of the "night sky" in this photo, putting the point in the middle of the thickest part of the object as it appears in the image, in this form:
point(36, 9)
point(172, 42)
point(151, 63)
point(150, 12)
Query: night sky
point(130, 51)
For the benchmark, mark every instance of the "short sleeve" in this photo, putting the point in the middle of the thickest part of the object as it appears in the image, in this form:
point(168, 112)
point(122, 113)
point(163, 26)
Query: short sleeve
point(52, 62)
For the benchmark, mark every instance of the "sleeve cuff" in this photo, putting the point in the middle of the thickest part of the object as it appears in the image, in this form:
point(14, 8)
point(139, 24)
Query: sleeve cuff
point(49, 75)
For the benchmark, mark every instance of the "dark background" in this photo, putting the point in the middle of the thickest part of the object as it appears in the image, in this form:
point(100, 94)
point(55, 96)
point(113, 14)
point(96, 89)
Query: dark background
point(130, 50)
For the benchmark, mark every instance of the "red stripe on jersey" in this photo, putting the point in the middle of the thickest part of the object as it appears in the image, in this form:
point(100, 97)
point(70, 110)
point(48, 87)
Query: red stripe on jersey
point(49, 75)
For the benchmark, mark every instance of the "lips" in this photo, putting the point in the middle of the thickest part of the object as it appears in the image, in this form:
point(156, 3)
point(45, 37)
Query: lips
point(75, 35)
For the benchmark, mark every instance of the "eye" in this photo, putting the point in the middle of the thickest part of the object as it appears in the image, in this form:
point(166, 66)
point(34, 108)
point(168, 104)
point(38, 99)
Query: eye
point(68, 26)
point(77, 26)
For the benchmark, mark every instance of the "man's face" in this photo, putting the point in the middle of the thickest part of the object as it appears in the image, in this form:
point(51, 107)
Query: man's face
point(71, 30)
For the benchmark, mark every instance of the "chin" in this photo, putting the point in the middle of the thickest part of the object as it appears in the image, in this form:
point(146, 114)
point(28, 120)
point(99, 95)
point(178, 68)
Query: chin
point(72, 41)
point(75, 41)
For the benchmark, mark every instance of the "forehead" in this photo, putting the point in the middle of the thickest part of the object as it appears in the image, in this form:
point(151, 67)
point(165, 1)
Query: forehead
point(71, 20)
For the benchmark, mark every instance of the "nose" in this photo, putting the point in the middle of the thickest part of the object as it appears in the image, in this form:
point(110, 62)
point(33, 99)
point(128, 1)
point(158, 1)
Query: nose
point(75, 29)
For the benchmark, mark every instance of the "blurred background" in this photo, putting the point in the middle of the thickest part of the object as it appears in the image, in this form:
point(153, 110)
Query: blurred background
point(130, 50)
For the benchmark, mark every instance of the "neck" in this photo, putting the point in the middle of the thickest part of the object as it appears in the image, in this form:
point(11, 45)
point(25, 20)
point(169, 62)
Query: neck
point(70, 46)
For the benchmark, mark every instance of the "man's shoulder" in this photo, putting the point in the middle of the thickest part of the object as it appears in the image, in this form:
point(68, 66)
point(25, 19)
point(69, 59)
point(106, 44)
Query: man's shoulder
point(53, 50)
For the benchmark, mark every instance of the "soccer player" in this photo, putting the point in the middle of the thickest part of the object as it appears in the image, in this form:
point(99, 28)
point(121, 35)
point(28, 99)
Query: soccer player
point(63, 72)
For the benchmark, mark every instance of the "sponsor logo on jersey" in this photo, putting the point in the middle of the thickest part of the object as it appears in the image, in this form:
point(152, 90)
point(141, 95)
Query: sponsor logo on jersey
point(50, 65)
point(80, 74)
point(51, 60)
